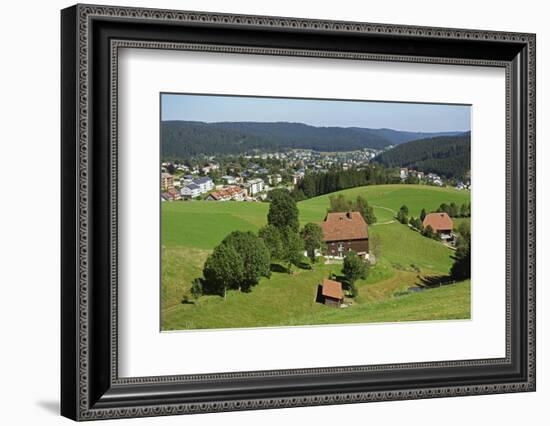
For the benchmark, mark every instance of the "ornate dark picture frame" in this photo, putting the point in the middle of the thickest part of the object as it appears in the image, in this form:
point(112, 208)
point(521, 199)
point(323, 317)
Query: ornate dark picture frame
point(91, 37)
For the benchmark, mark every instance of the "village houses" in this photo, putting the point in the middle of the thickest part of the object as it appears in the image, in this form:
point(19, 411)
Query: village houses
point(171, 194)
point(404, 173)
point(434, 179)
point(226, 194)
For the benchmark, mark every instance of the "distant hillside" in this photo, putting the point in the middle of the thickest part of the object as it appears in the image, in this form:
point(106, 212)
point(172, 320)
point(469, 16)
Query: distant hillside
point(183, 139)
point(448, 156)
point(397, 137)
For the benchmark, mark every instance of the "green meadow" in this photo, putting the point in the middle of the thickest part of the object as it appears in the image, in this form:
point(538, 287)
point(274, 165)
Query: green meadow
point(190, 230)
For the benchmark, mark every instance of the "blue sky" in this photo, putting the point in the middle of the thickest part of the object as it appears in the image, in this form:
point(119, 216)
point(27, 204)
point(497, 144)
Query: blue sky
point(393, 115)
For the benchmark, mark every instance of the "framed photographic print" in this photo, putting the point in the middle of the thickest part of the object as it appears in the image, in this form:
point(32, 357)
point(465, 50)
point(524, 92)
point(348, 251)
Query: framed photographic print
point(265, 212)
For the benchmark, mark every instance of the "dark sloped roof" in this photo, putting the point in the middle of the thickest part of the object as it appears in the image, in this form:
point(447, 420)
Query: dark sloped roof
point(202, 180)
point(344, 226)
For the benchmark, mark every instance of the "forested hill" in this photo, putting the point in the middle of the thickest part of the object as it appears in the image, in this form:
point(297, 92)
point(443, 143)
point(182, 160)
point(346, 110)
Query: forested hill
point(398, 137)
point(181, 139)
point(448, 156)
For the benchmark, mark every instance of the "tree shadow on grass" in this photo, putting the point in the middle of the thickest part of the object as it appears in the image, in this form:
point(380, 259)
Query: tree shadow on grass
point(206, 290)
point(275, 267)
point(319, 295)
point(434, 281)
point(305, 265)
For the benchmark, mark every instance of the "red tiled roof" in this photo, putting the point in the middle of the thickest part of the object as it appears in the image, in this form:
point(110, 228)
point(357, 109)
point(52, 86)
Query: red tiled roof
point(438, 221)
point(227, 192)
point(344, 226)
point(332, 289)
point(234, 190)
point(216, 195)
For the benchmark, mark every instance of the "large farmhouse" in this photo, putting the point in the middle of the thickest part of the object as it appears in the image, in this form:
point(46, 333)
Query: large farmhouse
point(441, 223)
point(346, 231)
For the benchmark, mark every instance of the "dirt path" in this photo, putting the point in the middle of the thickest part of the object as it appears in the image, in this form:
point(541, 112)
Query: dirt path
point(387, 209)
point(383, 223)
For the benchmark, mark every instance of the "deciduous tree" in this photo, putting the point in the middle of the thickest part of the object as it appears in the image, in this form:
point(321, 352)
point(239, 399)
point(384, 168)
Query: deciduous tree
point(354, 267)
point(453, 210)
point(402, 214)
point(223, 269)
point(422, 215)
point(254, 254)
point(273, 240)
point(428, 231)
point(363, 207)
point(293, 248)
point(312, 235)
point(283, 211)
point(461, 268)
point(464, 230)
point(339, 203)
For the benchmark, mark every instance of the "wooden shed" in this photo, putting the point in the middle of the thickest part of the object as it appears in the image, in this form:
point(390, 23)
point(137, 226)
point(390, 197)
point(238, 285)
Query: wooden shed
point(332, 293)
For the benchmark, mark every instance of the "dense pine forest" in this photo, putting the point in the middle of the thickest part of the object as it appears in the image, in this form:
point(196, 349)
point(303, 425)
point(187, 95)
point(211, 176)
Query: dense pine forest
point(315, 184)
point(184, 139)
point(448, 156)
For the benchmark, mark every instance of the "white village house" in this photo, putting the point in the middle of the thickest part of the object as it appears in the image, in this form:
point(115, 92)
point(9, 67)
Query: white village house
point(229, 180)
point(255, 186)
point(185, 180)
point(197, 187)
point(191, 190)
point(205, 184)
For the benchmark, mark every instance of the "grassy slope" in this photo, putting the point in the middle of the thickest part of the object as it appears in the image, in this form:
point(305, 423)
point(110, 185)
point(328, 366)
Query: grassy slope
point(191, 229)
point(447, 302)
point(180, 265)
point(203, 224)
point(384, 197)
point(294, 295)
point(406, 249)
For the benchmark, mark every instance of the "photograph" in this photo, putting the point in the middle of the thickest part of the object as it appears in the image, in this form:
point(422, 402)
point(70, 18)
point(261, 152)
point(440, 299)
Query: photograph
point(280, 212)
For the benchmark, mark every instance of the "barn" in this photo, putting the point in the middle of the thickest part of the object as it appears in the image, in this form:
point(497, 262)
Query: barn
point(441, 223)
point(346, 231)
